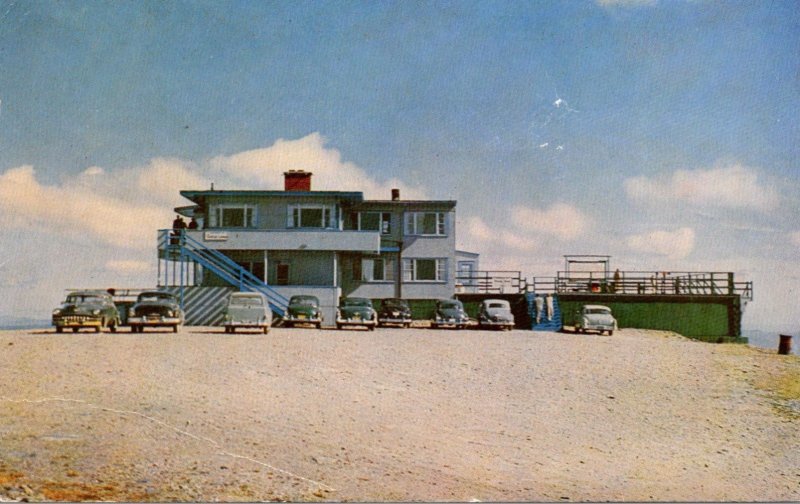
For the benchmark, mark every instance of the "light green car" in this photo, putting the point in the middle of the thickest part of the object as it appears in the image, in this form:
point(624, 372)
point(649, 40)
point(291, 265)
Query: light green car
point(247, 310)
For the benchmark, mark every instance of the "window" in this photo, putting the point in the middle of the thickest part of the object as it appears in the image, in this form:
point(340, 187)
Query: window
point(234, 216)
point(377, 269)
point(424, 270)
point(425, 223)
point(311, 217)
point(375, 221)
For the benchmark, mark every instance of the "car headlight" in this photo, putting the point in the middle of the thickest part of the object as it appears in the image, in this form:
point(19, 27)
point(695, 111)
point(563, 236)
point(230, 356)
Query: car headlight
point(96, 312)
point(57, 311)
point(170, 313)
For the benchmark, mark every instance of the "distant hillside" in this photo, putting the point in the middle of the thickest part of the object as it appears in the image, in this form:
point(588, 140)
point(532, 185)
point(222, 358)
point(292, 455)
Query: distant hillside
point(7, 322)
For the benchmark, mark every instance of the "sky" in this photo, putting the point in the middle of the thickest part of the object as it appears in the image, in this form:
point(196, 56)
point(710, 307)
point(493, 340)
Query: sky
point(661, 133)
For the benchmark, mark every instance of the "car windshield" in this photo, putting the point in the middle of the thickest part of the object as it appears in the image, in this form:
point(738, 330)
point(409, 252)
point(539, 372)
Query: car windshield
point(395, 303)
point(450, 305)
point(598, 311)
point(246, 300)
point(304, 301)
point(497, 305)
point(356, 302)
point(85, 298)
point(155, 296)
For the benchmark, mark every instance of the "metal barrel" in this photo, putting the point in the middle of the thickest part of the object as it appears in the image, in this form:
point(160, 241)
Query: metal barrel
point(785, 345)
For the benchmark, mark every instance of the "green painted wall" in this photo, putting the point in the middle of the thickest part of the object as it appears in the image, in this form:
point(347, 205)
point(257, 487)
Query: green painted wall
point(700, 317)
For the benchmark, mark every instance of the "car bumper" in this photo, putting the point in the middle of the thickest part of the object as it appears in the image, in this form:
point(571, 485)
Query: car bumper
point(303, 320)
point(599, 327)
point(77, 321)
point(450, 322)
point(246, 323)
point(355, 321)
point(394, 320)
point(154, 321)
point(496, 323)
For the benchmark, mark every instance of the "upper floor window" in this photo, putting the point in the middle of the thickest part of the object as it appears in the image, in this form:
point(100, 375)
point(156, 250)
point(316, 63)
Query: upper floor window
point(375, 221)
point(311, 216)
point(425, 223)
point(234, 216)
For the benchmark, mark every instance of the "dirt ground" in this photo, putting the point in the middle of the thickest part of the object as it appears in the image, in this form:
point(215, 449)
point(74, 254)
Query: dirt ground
point(394, 415)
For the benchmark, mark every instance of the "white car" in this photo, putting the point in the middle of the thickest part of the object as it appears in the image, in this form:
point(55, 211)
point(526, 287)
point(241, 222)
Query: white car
point(247, 310)
point(595, 318)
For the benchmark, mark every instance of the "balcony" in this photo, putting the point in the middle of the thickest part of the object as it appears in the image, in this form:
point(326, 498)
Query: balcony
point(284, 239)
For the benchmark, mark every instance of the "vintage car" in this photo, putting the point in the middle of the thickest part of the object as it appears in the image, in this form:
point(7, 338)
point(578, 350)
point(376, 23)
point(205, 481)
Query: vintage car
point(86, 309)
point(303, 309)
point(495, 313)
point(355, 311)
point(595, 318)
point(450, 312)
point(394, 311)
point(155, 309)
point(247, 310)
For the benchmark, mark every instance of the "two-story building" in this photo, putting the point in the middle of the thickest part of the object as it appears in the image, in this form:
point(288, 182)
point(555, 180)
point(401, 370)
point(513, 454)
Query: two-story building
point(326, 243)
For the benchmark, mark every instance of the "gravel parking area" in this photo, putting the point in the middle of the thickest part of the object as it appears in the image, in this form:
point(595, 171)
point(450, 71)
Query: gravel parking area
point(394, 414)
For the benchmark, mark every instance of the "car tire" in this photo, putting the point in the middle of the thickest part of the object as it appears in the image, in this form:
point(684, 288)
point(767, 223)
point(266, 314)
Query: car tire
point(233, 329)
point(175, 328)
point(74, 329)
point(266, 330)
point(371, 328)
point(407, 325)
point(319, 325)
point(338, 326)
point(59, 330)
point(611, 333)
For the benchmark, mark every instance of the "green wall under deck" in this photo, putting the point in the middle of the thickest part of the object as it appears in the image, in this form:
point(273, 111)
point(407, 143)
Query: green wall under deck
point(708, 318)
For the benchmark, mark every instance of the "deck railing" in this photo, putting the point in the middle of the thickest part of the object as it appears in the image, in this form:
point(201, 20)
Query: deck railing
point(651, 282)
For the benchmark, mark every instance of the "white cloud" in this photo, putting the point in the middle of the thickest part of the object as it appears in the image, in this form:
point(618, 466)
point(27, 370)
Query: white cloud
point(162, 179)
point(673, 244)
point(76, 210)
point(480, 236)
point(734, 186)
point(263, 169)
point(560, 220)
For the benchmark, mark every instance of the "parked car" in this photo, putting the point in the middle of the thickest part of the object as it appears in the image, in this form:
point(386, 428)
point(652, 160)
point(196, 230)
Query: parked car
point(595, 318)
point(86, 309)
point(394, 311)
point(155, 309)
point(495, 313)
point(303, 309)
point(355, 311)
point(450, 312)
point(247, 310)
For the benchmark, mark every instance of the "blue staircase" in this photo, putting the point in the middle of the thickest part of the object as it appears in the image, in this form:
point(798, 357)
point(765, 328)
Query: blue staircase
point(554, 324)
point(227, 269)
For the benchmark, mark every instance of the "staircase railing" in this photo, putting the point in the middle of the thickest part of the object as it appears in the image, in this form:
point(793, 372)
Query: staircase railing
point(227, 269)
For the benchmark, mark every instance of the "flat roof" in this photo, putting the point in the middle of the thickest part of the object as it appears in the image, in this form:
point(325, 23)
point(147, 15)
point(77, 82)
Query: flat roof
point(196, 195)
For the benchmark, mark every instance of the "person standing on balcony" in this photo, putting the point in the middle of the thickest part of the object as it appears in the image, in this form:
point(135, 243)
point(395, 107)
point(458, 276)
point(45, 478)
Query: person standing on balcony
point(178, 223)
point(192, 224)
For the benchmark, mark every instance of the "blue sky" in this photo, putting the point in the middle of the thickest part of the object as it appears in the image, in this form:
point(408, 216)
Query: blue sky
point(664, 134)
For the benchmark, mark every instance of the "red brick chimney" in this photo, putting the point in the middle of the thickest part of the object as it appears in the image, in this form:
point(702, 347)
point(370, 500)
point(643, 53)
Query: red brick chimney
point(297, 180)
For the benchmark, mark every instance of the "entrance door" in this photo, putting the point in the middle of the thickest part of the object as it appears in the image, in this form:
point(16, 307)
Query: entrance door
point(282, 274)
